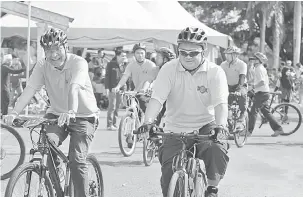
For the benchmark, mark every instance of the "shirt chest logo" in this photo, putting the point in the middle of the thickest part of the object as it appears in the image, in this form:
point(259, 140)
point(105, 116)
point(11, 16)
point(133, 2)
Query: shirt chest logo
point(202, 89)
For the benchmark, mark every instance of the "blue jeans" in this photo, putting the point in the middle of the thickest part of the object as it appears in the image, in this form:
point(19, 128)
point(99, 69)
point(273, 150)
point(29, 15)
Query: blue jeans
point(113, 108)
point(82, 133)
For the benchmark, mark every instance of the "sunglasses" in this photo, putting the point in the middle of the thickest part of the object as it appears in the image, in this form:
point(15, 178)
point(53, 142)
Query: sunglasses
point(189, 53)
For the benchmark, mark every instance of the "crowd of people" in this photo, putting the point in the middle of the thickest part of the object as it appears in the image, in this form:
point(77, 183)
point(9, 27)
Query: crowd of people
point(190, 90)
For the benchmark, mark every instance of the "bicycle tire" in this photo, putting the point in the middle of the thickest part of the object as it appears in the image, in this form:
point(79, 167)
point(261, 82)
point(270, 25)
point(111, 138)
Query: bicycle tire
point(120, 140)
point(178, 175)
point(298, 112)
point(23, 169)
point(22, 150)
point(237, 136)
point(147, 161)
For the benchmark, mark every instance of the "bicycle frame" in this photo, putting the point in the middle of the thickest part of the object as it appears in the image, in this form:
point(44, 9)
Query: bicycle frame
point(44, 147)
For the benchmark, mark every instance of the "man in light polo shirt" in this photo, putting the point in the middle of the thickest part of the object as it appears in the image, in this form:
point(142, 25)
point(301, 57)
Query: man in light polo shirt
point(70, 91)
point(196, 95)
point(142, 71)
point(262, 96)
point(236, 70)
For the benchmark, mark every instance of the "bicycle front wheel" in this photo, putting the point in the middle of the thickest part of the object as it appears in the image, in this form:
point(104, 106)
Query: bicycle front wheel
point(241, 135)
point(12, 145)
point(178, 185)
point(26, 181)
point(127, 139)
point(149, 151)
point(288, 116)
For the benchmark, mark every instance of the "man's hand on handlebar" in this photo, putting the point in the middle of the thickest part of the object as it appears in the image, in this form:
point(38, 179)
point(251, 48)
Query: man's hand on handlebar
point(9, 119)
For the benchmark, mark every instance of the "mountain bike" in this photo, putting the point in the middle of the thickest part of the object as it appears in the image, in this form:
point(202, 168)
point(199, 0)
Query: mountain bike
point(288, 115)
point(238, 129)
point(12, 151)
point(189, 174)
point(131, 121)
point(47, 174)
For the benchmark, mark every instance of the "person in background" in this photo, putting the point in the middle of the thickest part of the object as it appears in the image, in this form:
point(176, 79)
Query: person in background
point(261, 97)
point(98, 86)
point(5, 81)
point(92, 65)
point(289, 63)
point(87, 58)
point(102, 62)
point(153, 57)
point(112, 77)
point(15, 80)
point(286, 86)
point(79, 53)
point(300, 89)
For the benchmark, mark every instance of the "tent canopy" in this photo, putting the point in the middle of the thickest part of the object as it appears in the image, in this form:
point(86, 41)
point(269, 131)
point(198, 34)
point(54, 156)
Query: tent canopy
point(117, 23)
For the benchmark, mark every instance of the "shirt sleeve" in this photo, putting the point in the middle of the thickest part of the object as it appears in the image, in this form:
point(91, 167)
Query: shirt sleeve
point(243, 68)
point(79, 73)
point(218, 87)
point(259, 76)
point(37, 80)
point(163, 84)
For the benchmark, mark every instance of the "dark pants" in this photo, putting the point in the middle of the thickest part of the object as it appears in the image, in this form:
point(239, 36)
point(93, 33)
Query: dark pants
point(214, 155)
point(261, 101)
point(143, 100)
point(241, 99)
point(4, 102)
point(82, 133)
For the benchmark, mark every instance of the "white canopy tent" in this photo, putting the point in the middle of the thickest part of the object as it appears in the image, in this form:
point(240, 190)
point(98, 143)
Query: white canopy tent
point(117, 23)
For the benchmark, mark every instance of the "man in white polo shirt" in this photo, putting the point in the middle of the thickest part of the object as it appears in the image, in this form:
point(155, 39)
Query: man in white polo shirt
point(72, 99)
point(236, 70)
point(261, 101)
point(196, 95)
point(141, 71)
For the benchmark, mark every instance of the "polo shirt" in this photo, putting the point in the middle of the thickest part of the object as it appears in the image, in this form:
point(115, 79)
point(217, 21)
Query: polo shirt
point(190, 99)
point(261, 75)
point(141, 73)
point(58, 83)
point(234, 70)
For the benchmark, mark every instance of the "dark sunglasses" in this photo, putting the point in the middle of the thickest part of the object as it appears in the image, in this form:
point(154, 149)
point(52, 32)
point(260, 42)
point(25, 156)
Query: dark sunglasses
point(190, 53)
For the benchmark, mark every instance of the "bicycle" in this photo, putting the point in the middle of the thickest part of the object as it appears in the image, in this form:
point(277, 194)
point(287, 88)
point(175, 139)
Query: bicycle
point(48, 177)
point(281, 114)
point(238, 129)
point(189, 173)
point(130, 122)
point(9, 135)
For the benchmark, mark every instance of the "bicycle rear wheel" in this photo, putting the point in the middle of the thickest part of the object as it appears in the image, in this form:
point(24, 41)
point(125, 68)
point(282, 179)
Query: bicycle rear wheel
point(149, 151)
point(15, 147)
point(288, 116)
point(178, 185)
point(29, 170)
point(127, 140)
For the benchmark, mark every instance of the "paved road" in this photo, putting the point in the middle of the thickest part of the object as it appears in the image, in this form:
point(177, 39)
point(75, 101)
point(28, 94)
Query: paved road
point(265, 167)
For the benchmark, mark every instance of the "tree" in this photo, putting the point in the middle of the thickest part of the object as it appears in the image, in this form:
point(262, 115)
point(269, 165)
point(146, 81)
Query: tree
point(297, 31)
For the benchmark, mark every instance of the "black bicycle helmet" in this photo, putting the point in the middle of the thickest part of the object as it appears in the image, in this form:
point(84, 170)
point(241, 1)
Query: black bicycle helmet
point(53, 37)
point(139, 46)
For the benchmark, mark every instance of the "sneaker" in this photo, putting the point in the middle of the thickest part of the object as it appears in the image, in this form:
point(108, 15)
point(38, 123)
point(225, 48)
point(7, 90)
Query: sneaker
point(112, 128)
point(277, 133)
point(211, 192)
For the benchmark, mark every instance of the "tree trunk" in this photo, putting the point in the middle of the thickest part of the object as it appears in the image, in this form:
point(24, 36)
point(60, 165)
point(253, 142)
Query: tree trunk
point(263, 31)
point(297, 31)
point(276, 45)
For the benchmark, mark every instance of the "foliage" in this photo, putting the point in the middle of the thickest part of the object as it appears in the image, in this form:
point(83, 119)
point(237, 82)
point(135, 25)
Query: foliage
point(242, 20)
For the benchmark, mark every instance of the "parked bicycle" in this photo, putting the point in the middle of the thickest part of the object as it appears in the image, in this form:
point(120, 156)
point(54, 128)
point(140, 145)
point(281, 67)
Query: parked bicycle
point(48, 177)
point(189, 174)
point(288, 115)
point(12, 151)
point(236, 128)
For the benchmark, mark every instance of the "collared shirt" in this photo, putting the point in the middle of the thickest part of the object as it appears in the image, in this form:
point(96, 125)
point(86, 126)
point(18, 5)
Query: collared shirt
point(141, 73)
point(190, 99)
point(261, 75)
point(58, 84)
point(234, 70)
